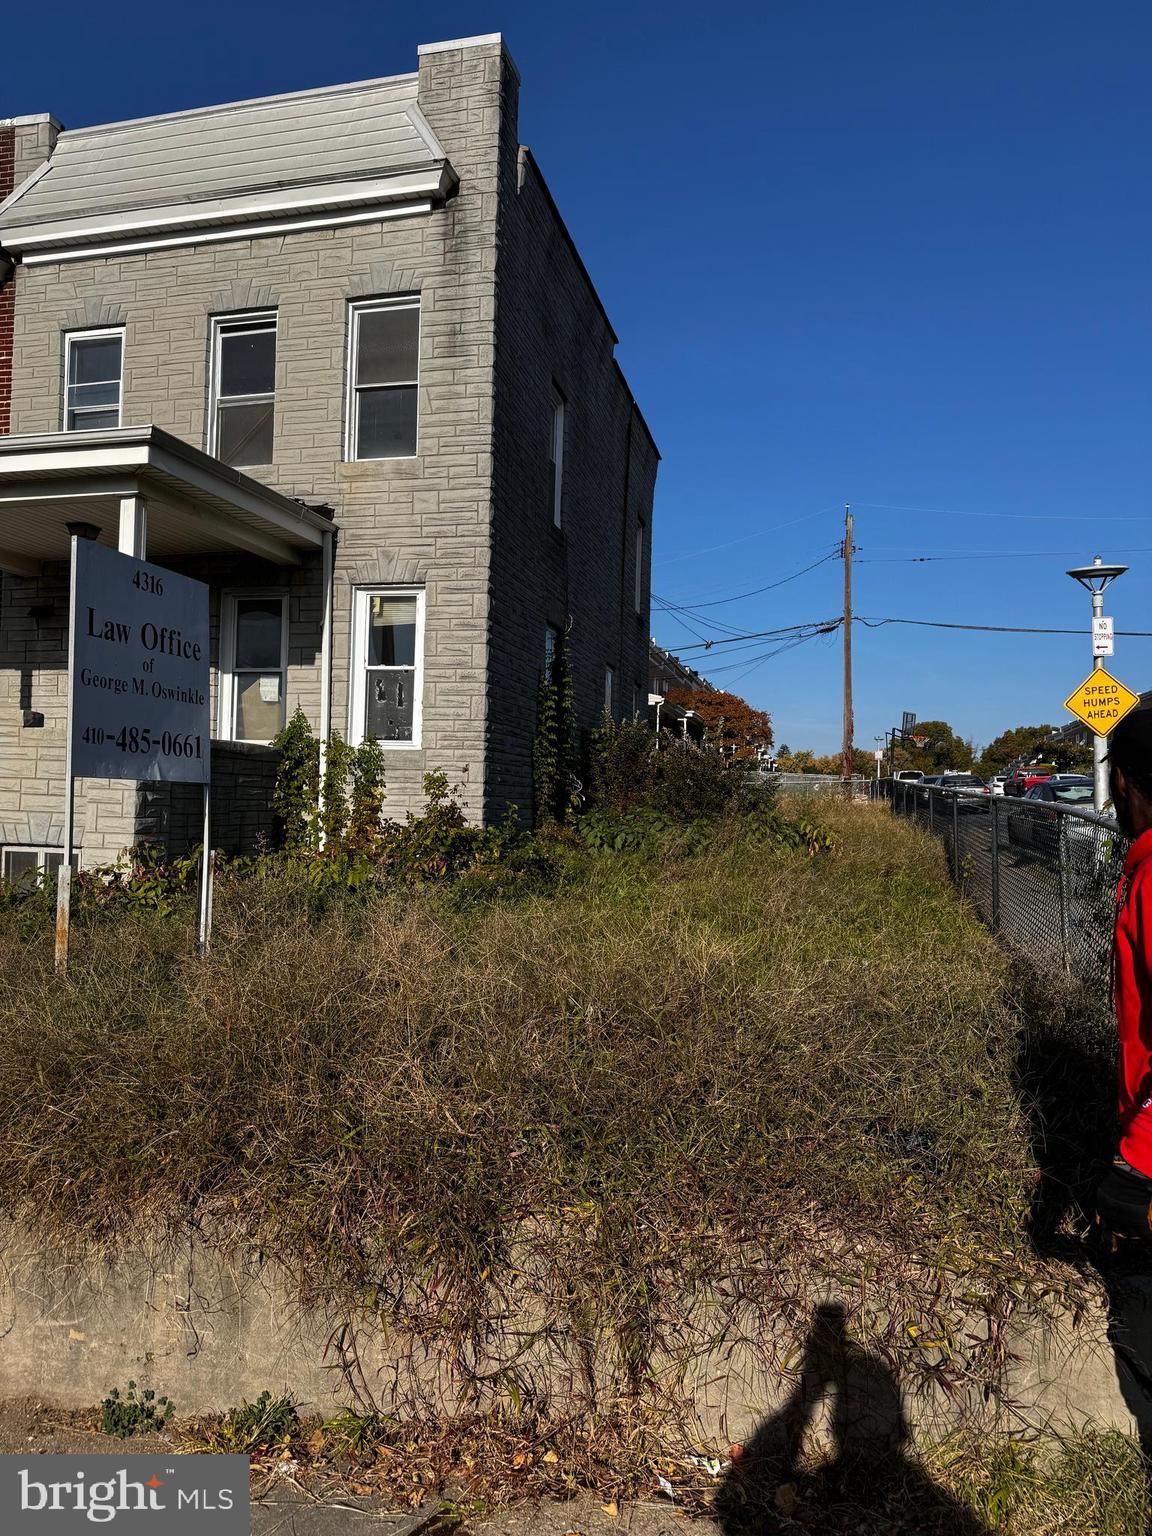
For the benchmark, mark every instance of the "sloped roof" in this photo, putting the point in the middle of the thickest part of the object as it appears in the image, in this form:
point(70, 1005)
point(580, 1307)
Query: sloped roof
point(205, 160)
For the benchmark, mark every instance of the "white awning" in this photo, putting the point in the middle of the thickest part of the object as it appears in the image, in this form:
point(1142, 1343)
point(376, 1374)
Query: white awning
point(195, 504)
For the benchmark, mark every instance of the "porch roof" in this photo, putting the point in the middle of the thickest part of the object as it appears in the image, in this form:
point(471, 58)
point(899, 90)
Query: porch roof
point(195, 504)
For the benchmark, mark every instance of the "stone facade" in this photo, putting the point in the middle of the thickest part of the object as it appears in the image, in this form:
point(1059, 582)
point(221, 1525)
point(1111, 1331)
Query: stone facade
point(506, 312)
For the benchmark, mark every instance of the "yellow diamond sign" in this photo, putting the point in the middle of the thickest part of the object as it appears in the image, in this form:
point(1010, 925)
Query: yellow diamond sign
point(1101, 702)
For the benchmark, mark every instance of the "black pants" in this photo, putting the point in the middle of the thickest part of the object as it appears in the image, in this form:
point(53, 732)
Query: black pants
point(1124, 1202)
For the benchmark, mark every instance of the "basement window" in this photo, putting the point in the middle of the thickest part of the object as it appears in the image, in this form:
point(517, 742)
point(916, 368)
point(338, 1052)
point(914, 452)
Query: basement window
point(388, 667)
point(21, 863)
point(93, 373)
point(383, 377)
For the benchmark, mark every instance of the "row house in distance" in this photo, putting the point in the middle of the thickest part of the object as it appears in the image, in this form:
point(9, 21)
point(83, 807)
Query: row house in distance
point(335, 354)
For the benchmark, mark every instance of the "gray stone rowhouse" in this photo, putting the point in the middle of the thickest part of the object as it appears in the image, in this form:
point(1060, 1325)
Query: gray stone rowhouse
point(518, 505)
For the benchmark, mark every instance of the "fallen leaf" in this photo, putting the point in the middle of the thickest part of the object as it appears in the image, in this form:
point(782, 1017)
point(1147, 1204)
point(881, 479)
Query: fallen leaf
point(550, 1457)
point(611, 1509)
point(785, 1498)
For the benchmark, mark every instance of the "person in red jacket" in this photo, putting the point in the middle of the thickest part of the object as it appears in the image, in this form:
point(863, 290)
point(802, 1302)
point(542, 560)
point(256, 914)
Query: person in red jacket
point(1124, 1199)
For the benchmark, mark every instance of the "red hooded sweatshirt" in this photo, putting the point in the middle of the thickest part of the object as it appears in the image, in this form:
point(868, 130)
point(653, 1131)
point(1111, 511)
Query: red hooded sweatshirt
point(1132, 995)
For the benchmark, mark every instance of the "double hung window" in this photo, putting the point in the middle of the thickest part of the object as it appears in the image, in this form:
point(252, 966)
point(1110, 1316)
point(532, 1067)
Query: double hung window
point(388, 667)
point(93, 379)
point(253, 646)
point(383, 378)
point(243, 388)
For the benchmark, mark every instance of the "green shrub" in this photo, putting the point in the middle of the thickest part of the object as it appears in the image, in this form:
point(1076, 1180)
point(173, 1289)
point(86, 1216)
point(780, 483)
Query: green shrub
point(631, 768)
point(367, 810)
point(296, 795)
point(334, 790)
point(134, 1413)
point(258, 1428)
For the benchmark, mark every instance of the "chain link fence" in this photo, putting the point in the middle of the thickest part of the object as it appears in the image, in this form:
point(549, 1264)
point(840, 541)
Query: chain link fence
point(1042, 876)
point(856, 788)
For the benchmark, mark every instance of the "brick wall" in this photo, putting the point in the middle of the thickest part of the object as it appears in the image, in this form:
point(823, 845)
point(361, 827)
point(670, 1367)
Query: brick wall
point(240, 817)
point(551, 331)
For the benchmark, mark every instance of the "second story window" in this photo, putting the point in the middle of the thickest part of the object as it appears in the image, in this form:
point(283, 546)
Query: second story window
point(93, 373)
point(383, 374)
point(243, 389)
point(556, 455)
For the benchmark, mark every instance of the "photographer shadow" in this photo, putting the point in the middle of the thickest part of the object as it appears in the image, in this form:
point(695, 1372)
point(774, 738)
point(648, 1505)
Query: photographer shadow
point(871, 1471)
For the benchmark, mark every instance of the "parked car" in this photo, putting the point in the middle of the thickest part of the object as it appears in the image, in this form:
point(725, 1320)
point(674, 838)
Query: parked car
point(1022, 780)
point(908, 776)
point(969, 788)
point(996, 783)
point(1040, 827)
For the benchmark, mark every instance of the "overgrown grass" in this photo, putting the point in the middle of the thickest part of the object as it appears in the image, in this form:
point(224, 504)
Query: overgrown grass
point(660, 1052)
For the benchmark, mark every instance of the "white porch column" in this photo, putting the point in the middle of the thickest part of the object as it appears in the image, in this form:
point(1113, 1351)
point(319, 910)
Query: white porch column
point(133, 538)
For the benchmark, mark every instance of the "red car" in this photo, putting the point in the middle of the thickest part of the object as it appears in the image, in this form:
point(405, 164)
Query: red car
point(1020, 782)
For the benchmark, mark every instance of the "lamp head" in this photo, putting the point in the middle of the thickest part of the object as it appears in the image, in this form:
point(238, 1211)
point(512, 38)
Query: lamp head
point(1097, 576)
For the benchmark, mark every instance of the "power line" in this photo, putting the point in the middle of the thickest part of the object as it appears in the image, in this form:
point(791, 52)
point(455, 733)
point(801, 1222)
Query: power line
point(821, 627)
point(755, 592)
point(1025, 554)
point(1031, 517)
point(829, 626)
point(998, 629)
point(663, 606)
point(759, 534)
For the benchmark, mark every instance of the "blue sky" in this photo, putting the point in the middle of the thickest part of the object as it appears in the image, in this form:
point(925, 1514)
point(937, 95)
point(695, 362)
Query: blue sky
point(893, 254)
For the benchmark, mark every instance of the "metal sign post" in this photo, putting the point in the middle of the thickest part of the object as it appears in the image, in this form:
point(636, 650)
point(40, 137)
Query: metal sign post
point(137, 690)
point(64, 876)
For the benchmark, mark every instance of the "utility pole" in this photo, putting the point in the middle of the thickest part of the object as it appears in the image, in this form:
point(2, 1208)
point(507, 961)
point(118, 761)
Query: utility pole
point(846, 763)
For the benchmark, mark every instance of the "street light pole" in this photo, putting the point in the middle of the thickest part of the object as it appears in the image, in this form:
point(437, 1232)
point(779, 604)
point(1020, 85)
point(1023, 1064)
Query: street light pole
point(1095, 578)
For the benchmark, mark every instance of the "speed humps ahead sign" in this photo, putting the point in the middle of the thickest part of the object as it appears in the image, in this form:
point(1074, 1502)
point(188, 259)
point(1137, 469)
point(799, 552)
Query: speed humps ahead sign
point(1101, 702)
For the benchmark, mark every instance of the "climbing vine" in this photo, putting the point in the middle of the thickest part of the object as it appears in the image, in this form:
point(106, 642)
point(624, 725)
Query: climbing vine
point(554, 782)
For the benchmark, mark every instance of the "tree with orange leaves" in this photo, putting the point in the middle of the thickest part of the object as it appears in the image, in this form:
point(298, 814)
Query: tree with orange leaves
point(730, 722)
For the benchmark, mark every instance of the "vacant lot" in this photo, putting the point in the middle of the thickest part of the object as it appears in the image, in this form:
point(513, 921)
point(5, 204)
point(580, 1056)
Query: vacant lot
point(626, 1084)
point(675, 1049)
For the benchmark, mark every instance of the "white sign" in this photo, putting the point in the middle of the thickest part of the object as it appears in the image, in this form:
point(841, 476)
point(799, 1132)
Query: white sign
point(139, 670)
point(1102, 638)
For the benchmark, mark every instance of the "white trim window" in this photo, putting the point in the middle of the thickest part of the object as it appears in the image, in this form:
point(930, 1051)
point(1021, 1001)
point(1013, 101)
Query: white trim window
point(383, 379)
point(93, 378)
point(253, 665)
point(609, 690)
point(242, 394)
point(556, 455)
point(22, 862)
point(386, 696)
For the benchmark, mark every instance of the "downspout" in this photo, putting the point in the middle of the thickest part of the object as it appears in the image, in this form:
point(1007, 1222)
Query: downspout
point(326, 666)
